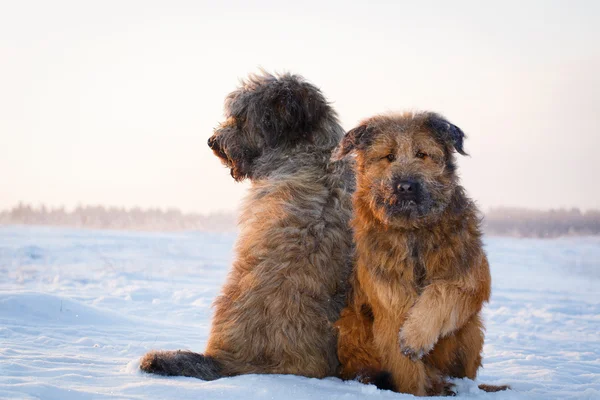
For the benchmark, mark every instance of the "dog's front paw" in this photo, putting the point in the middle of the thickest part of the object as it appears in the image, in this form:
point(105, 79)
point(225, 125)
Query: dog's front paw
point(415, 344)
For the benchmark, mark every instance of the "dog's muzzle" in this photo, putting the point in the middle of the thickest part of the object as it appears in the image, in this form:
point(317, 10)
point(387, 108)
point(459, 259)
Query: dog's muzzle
point(212, 143)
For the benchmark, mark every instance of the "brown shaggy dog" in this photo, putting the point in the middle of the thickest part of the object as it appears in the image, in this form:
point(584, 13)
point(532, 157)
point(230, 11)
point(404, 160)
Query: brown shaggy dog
point(287, 286)
point(421, 275)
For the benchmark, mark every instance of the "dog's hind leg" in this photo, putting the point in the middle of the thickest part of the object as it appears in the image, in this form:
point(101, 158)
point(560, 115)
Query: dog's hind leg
point(181, 363)
point(459, 355)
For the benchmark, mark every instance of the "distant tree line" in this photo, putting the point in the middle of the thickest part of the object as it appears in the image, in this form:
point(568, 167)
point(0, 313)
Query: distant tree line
point(542, 224)
point(118, 218)
point(514, 222)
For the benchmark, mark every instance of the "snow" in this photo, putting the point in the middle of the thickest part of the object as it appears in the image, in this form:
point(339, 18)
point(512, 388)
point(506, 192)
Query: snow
point(79, 307)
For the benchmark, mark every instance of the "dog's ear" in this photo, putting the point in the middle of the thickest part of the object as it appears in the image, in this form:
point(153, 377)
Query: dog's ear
point(283, 109)
point(355, 139)
point(447, 132)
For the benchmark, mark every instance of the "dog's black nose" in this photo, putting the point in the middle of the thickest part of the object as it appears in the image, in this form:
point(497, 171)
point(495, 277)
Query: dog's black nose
point(406, 187)
point(212, 142)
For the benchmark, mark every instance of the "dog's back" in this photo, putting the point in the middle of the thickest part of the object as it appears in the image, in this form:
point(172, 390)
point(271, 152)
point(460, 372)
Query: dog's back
point(288, 281)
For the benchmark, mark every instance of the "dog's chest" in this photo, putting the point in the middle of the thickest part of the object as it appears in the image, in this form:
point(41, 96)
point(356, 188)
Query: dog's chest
point(395, 269)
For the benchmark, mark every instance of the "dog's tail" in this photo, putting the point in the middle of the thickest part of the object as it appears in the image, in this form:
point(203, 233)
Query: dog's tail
point(181, 363)
point(493, 388)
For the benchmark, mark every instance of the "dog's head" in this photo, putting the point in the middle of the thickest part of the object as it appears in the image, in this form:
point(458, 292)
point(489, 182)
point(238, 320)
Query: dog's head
point(267, 112)
point(406, 170)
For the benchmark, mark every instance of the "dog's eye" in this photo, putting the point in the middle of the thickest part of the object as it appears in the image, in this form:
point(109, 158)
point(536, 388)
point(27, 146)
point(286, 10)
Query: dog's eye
point(390, 157)
point(421, 155)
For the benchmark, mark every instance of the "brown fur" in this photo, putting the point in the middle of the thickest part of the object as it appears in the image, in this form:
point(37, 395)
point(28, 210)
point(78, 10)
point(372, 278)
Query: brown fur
point(421, 275)
point(287, 286)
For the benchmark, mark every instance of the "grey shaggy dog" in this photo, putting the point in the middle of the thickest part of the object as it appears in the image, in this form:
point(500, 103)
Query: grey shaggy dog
point(289, 279)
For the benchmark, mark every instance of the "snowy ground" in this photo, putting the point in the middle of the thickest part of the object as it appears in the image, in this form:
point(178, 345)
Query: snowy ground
point(78, 308)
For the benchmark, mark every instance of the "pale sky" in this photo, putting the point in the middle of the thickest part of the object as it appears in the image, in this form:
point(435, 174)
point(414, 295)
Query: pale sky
point(111, 102)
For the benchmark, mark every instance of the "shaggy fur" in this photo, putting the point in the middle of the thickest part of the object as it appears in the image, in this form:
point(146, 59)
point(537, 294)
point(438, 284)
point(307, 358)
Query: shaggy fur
point(287, 286)
point(421, 275)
